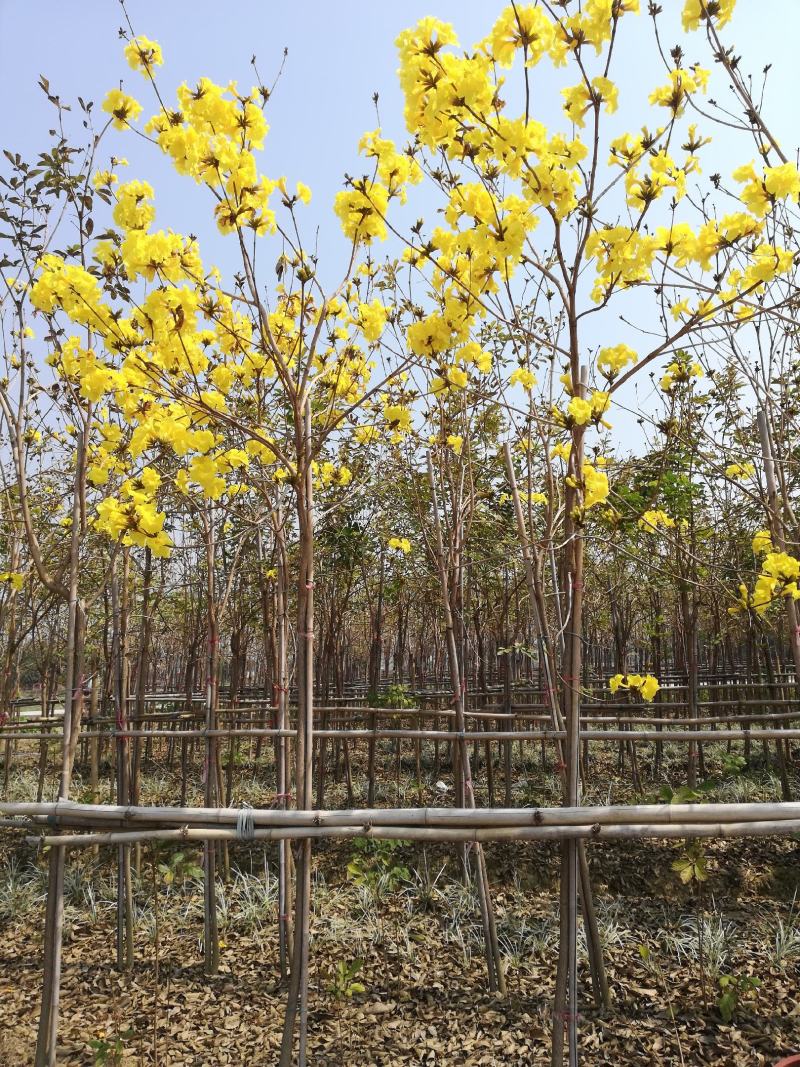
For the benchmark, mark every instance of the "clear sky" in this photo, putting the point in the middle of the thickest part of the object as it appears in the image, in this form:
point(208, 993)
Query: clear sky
point(339, 54)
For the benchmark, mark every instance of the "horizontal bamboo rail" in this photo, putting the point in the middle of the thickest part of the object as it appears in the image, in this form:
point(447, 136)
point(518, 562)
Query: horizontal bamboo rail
point(611, 822)
point(65, 813)
point(666, 735)
point(596, 831)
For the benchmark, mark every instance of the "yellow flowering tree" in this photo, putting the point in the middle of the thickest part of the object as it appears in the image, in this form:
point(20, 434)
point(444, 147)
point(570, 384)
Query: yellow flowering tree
point(543, 230)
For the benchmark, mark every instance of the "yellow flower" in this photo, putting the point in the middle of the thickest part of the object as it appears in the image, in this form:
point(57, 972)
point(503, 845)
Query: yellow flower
point(398, 416)
point(761, 191)
point(782, 181)
point(372, 319)
point(123, 108)
point(682, 83)
point(762, 542)
point(681, 370)
point(694, 11)
point(648, 688)
point(646, 685)
point(473, 355)
point(595, 486)
point(738, 471)
point(14, 578)
point(580, 411)
point(103, 179)
point(611, 361)
point(132, 211)
point(457, 377)
point(143, 54)
point(303, 193)
point(400, 544)
point(651, 520)
point(579, 98)
point(561, 451)
point(525, 377)
point(520, 27)
point(362, 210)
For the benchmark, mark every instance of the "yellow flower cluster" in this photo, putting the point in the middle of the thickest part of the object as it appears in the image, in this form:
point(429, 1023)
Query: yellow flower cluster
point(134, 519)
point(623, 257)
point(528, 30)
point(739, 471)
point(579, 98)
point(581, 412)
point(211, 136)
point(123, 108)
point(208, 471)
point(161, 348)
point(362, 211)
point(82, 366)
point(663, 174)
point(327, 474)
point(398, 419)
point(394, 170)
point(611, 361)
point(761, 192)
point(73, 289)
point(681, 370)
point(681, 85)
point(170, 257)
point(651, 520)
point(717, 11)
point(453, 105)
point(644, 684)
point(143, 54)
point(595, 486)
point(372, 319)
point(13, 578)
point(779, 576)
point(524, 377)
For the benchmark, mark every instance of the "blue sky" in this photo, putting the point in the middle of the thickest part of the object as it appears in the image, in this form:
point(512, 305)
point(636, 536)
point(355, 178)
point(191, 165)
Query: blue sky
point(339, 54)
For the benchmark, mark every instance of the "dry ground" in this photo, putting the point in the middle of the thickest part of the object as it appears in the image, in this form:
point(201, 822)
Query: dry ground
point(404, 926)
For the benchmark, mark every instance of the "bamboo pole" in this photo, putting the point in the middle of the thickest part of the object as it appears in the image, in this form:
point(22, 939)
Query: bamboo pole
point(470, 735)
point(590, 831)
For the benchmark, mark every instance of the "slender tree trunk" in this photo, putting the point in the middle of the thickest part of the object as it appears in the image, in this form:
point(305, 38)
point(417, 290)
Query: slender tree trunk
point(297, 1000)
